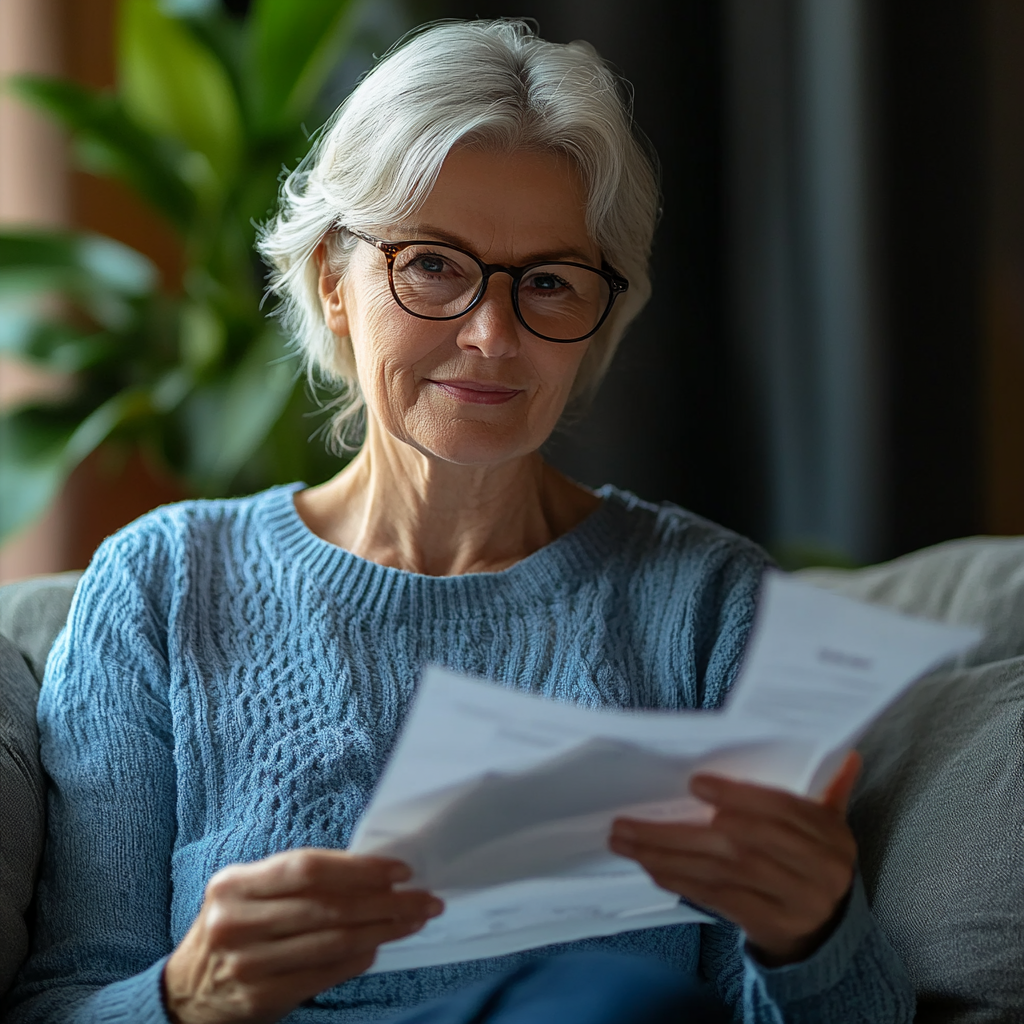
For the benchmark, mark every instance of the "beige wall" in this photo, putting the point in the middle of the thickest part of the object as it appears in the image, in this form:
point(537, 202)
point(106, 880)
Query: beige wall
point(34, 190)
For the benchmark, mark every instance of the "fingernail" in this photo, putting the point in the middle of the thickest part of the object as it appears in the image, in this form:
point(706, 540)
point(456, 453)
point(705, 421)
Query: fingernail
point(702, 786)
point(434, 907)
point(623, 831)
point(399, 873)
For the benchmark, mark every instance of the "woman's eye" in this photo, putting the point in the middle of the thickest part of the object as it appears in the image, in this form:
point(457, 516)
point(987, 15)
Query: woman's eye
point(429, 264)
point(547, 282)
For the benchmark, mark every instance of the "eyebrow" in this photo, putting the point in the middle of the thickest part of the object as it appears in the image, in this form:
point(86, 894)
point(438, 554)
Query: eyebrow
point(419, 231)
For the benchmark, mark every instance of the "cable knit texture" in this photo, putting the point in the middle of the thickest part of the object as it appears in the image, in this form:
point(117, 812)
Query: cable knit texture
point(229, 685)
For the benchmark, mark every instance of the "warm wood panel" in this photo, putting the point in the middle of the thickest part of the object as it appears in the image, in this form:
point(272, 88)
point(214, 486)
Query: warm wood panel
point(33, 191)
point(1004, 376)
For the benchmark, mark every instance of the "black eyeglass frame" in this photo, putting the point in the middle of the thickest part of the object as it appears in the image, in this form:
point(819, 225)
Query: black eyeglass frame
point(617, 284)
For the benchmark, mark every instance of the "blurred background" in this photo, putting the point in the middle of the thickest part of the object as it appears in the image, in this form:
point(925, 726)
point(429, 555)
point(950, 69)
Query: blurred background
point(833, 360)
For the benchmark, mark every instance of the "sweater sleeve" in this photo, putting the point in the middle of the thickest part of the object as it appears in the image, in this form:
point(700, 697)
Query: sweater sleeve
point(722, 603)
point(855, 977)
point(102, 913)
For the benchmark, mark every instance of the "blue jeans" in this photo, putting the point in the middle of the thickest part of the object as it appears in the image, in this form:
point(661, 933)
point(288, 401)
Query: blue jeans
point(577, 988)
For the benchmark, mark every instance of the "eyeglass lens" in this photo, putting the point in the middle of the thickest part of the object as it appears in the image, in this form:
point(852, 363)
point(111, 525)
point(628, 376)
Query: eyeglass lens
point(555, 300)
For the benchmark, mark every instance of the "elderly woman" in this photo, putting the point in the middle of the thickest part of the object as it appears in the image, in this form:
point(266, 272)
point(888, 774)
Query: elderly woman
point(460, 254)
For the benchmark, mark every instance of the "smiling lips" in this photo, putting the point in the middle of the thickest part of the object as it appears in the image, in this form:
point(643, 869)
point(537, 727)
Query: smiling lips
point(476, 392)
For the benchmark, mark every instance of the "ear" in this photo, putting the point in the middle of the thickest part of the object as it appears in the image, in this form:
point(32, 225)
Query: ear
point(332, 298)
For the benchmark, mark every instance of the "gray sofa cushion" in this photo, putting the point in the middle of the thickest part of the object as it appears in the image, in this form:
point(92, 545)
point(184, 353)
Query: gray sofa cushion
point(939, 817)
point(33, 612)
point(939, 809)
point(977, 582)
point(21, 805)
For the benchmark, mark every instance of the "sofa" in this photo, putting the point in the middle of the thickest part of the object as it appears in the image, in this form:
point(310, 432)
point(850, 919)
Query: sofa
point(938, 811)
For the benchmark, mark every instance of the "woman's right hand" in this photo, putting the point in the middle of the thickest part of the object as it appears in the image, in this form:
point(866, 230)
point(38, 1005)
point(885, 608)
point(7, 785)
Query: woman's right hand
point(275, 932)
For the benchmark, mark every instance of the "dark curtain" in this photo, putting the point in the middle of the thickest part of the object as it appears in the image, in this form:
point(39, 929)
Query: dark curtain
point(661, 423)
point(682, 414)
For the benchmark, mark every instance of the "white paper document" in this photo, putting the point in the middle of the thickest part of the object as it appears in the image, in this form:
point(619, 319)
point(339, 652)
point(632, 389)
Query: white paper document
point(501, 802)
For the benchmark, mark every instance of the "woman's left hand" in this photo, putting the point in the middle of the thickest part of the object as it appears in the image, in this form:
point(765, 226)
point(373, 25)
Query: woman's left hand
point(777, 865)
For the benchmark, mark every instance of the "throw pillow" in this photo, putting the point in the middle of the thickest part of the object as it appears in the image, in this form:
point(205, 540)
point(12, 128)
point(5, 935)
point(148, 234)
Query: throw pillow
point(974, 582)
point(939, 818)
point(939, 810)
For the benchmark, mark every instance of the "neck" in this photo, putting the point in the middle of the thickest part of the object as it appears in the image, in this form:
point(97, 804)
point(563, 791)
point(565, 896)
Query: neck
point(398, 507)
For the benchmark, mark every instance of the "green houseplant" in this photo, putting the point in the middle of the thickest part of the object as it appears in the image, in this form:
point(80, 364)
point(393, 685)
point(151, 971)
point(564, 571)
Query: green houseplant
point(208, 110)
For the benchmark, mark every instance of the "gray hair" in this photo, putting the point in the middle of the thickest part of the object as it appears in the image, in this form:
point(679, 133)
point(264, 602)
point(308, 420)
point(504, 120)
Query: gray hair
point(490, 83)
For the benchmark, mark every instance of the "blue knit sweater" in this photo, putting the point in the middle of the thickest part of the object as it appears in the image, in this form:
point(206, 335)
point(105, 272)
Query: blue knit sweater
point(229, 685)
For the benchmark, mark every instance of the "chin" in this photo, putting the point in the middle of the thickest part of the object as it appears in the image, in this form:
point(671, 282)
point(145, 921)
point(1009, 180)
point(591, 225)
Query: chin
point(475, 444)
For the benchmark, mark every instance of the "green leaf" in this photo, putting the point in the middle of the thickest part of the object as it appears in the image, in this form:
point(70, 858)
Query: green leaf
point(32, 466)
point(122, 269)
point(227, 424)
point(202, 336)
point(111, 144)
point(32, 336)
point(294, 45)
point(104, 277)
point(295, 448)
point(81, 262)
point(171, 389)
point(36, 260)
point(181, 8)
point(127, 405)
point(173, 85)
point(198, 376)
point(221, 34)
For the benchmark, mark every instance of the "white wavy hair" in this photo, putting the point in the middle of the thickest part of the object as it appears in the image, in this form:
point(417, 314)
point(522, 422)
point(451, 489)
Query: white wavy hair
point(486, 83)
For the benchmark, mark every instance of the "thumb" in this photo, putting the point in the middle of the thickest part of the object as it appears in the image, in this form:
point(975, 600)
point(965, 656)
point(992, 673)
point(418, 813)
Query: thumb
point(837, 795)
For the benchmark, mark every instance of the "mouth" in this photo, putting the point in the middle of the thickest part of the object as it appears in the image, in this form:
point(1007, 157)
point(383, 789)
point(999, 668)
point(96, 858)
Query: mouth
point(476, 392)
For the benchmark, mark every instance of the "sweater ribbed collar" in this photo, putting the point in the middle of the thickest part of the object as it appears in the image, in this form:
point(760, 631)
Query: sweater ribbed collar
point(545, 577)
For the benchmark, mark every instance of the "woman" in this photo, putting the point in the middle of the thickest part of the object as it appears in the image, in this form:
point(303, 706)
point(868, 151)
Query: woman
point(460, 255)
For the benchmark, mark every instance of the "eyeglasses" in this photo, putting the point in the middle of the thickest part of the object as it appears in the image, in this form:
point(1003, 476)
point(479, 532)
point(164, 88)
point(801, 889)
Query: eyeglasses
point(556, 301)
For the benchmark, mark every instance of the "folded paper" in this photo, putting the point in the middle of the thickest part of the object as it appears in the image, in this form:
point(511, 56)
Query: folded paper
point(501, 802)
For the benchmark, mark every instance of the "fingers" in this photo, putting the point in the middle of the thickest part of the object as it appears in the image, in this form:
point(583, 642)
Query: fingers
point(261, 982)
point(784, 920)
point(272, 933)
point(711, 880)
point(744, 841)
point(764, 837)
point(712, 857)
point(783, 912)
point(234, 920)
point(775, 864)
point(303, 872)
point(329, 948)
point(680, 868)
point(744, 799)
point(746, 796)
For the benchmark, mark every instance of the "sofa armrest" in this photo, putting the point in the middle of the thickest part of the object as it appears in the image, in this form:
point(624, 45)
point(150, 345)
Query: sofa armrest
point(22, 806)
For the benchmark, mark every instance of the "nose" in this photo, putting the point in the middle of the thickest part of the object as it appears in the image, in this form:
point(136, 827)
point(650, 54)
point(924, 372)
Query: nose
point(491, 329)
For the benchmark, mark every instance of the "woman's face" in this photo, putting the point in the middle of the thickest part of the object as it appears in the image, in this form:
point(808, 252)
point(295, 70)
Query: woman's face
point(481, 389)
